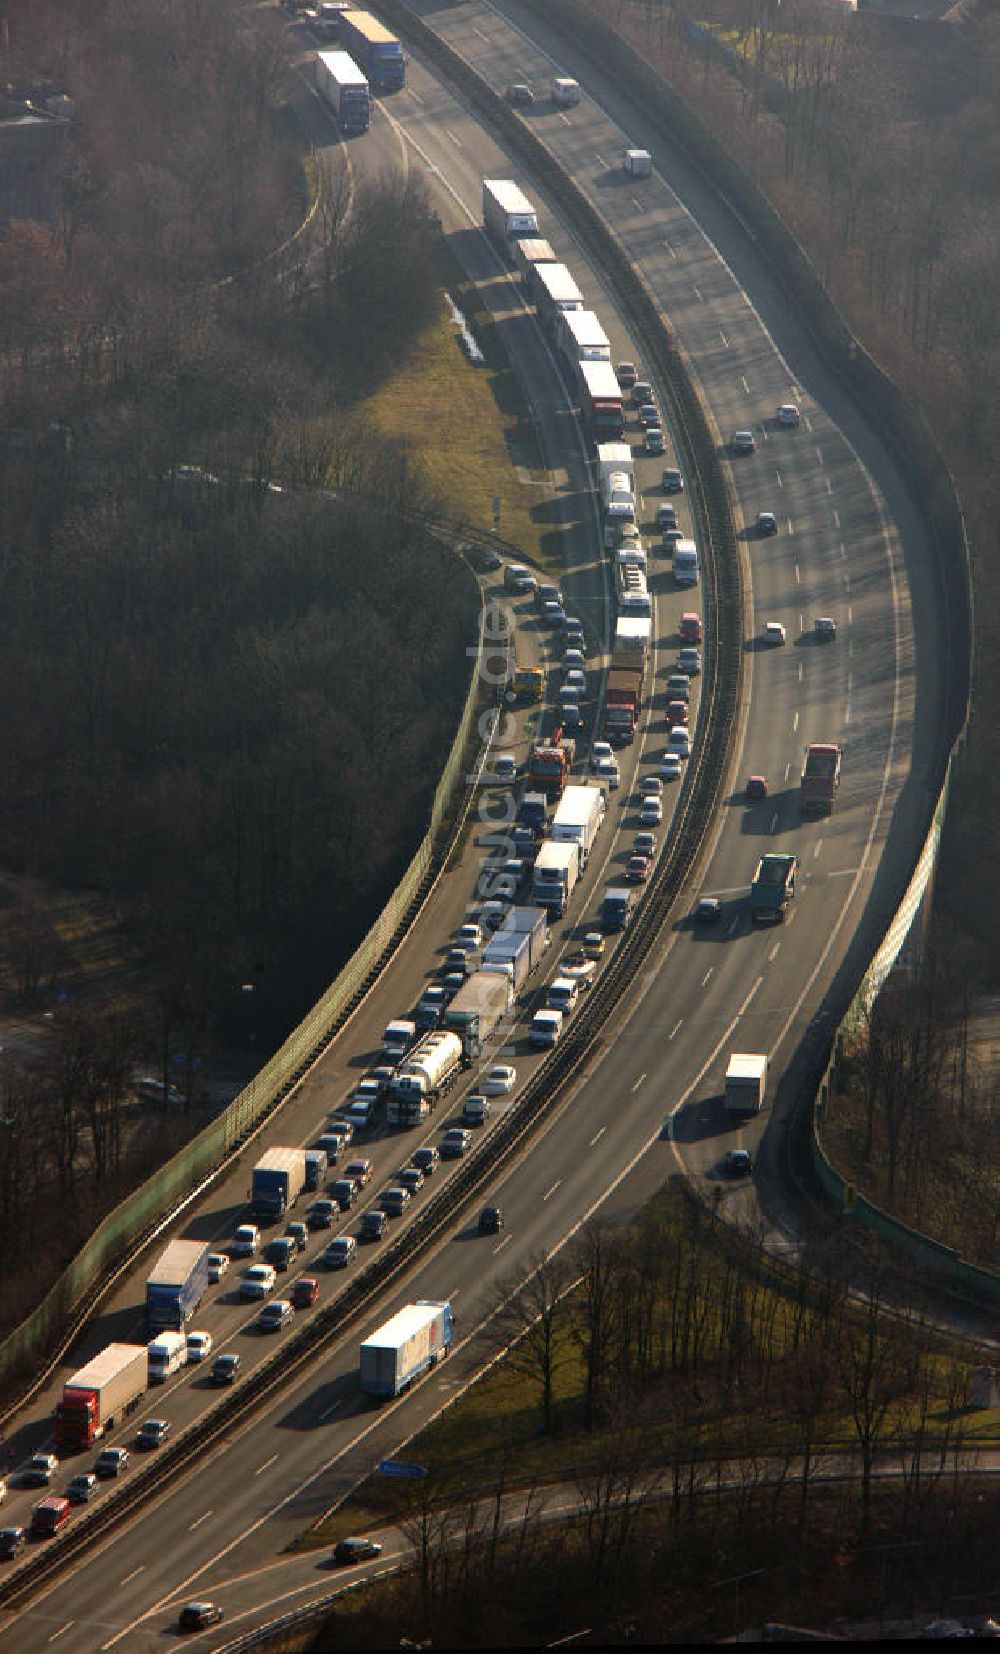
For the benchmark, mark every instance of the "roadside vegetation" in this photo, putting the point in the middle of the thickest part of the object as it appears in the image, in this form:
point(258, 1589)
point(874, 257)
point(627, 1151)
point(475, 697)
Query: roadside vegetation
point(691, 1400)
point(231, 651)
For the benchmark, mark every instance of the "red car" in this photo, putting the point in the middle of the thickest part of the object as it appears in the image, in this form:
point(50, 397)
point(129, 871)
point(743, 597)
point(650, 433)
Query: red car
point(677, 713)
point(637, 869)
point(756, 787)
point(305, 1292)
point(691, 628)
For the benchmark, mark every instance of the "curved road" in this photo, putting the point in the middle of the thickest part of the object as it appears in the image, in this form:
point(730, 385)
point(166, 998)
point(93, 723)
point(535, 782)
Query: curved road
point(653, 1098)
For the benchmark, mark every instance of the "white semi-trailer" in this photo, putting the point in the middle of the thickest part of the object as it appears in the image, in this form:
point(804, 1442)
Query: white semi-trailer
point(578, 819)
point(415, 1339)
point(344, 90)
point(581, 338)
point(554, 876)
point(507, 213)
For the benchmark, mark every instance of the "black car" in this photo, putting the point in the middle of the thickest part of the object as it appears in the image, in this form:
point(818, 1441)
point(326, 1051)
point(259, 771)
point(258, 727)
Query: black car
point(280, 1251)
point(356, 1550)
point(520, 95)
point(491, 1220)
point(196, 1616)
point(426, 1158)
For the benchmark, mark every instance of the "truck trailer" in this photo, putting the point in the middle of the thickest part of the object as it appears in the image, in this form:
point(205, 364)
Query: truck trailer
point(820, 779)
point(374, 48)
point(480, 1004)
point(415, 1339)
point(555, 291)
point(99, 1396)
point(581, 338)
point(344, 90)
point(279, 1177)
point(554, 876)
point(517, 946)
point(420, 1078)
point(773, 887)
point(528, 252)
point(508, 215)
point(746, 1082)
point(578, 819)
point(176, 1285)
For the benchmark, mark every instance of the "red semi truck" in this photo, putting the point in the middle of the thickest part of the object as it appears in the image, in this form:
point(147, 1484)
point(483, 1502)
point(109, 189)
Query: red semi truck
point(623, 694)
point(820, 779)
point(100, 1395)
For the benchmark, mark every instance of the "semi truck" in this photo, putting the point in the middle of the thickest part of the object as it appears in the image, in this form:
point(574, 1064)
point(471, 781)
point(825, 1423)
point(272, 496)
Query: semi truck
point(623, 694)
point(746, 1081)
point(685, 563)
point(508, 215)
point(176, 1285)
point(554, 876)
point(773, 887)
point(616, 482)
point(344, 90)
point(600, 397)
point(99, 1396)
point(278, 1179)
point(820, 779)
point(480, 1004)
point(578, 819)
point(422, 1076)
point(581, 338)
point(555, 291)
point(415, 1339)
point(375, 49)
point(516, 948)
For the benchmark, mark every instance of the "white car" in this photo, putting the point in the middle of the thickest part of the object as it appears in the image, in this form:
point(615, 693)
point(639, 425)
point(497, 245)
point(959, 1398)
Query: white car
point(575, 679)
point(670, 768)
point(199, 1345)
point(606, 770)
point(599, 750)
point(246, 1241)
point(651, 813)
point(651, 786)
point(578, 968)
point(469, 937)
point(257, 1281)
point(773, 633)
point(679, 741)
point(574, 659)
point(788, 414)
point(218, 1263)
point(500, 1080)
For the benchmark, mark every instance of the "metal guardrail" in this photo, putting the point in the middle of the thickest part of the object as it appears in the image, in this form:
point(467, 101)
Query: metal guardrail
point(699, 798)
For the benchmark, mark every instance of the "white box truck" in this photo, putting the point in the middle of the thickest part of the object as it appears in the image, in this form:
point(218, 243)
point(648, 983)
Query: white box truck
point(416, 1338)
point(578, 819)
point(637, 163)
point(507, 213)
point(581, 338)
point(746, 1082)
point(553, 879)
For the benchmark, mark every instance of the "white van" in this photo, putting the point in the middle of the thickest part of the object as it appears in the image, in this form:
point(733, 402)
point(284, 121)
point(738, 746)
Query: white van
point(167, 1352)
point(566, 93)
point(398, 1038)
point(562, 995)
point(546, 1027)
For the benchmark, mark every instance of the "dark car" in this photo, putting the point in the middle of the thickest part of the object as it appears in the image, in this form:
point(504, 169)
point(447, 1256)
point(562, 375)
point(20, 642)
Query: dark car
point(756, 787)
point(348, 1551)
point(372, 1225)
point(491, 1220)
point(12, 1542)
point(767, 523)
point(520, 95)
point(708, 911)
point(738, 1163)
point(426, 1158)
point(197, 1616)
point(152, 1432)
point(280, 1251)
point(343, 1192)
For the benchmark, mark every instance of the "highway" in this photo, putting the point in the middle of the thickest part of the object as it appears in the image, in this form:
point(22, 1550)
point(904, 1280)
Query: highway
point(847, 547)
